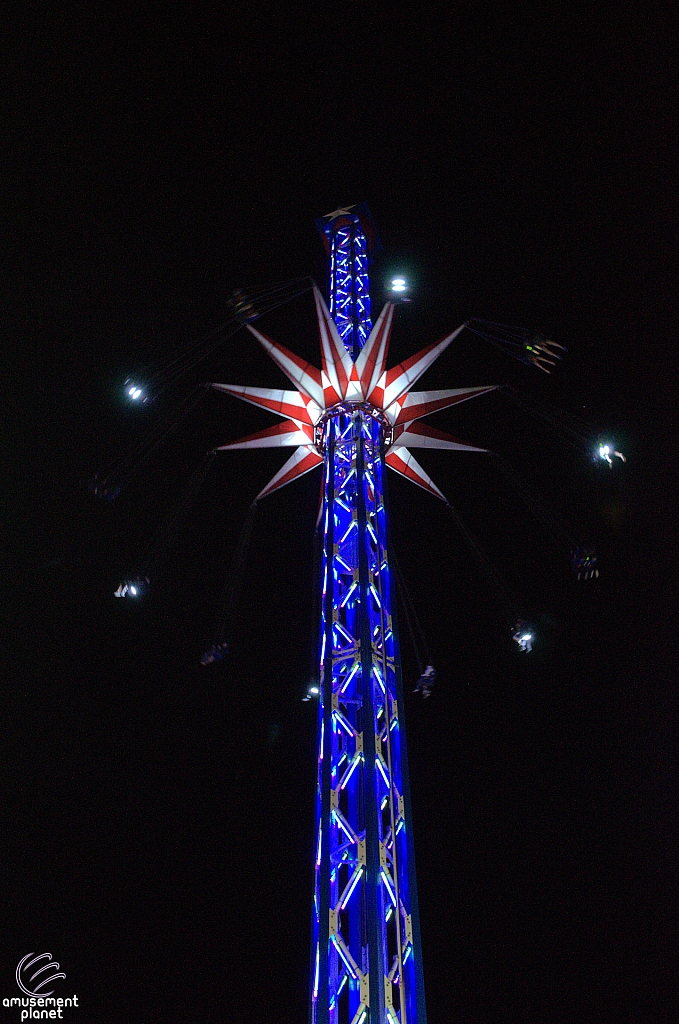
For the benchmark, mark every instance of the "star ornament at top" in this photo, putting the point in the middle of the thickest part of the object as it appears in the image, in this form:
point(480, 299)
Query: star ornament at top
point(342, 383)
point(342, 211)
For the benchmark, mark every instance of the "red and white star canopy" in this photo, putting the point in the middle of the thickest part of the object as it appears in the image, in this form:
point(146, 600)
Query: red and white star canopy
point(343, 381)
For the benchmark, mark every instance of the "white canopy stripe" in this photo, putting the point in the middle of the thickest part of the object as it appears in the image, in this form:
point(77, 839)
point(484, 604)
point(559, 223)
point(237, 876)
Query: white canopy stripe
point(300, 462)
point(378, 340)
point(413, 370)
point(405, 464)
point(292, 367)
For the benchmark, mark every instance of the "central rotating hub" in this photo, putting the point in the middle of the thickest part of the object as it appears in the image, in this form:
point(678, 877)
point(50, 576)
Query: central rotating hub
point(364, 409)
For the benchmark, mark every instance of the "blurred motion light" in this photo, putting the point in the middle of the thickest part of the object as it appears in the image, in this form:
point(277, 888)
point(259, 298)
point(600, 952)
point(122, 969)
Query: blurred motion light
point(606, 451)
point(134, 392)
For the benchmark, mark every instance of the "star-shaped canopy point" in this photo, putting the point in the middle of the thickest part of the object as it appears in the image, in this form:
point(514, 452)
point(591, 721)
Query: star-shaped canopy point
point(341, 381)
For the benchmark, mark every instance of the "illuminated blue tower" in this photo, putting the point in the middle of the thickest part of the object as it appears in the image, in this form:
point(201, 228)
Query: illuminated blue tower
point(368, 963)
point(354, 417)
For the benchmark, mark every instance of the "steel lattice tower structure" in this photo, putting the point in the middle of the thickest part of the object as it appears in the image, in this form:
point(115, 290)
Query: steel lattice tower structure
point(354, 417)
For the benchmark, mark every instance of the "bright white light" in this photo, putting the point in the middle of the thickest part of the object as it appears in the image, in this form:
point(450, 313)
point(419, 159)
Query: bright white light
point(313, 689)
point(398, 284)
point(132, 390)
point(137, 393)
point(527, 636)
point(133, 591)
point(604, 451)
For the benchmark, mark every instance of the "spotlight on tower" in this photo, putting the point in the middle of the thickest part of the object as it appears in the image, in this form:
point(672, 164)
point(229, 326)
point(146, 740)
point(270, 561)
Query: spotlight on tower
point(399, 289)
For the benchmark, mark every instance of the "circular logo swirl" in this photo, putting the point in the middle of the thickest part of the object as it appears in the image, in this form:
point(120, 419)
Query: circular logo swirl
point(26, 964)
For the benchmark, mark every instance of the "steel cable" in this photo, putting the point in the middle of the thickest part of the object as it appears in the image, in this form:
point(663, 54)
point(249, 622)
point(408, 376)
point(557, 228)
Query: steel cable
point(493, 576)
point(233, 583)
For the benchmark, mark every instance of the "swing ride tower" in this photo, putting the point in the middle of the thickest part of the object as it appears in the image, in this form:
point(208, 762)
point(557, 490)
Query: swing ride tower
point(354, 418)
point(367, 958)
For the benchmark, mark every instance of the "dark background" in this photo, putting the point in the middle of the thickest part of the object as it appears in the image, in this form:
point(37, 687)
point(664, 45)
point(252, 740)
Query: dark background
point(157, 816)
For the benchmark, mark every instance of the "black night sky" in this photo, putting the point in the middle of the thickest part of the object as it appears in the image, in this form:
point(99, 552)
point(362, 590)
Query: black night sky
point(157, 816)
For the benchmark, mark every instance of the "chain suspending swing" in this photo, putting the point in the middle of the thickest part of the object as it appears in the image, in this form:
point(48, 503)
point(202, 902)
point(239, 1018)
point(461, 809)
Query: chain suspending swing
point(576, 432)
point(428, 675)
point(166, 534)
point(529, 347)
point(523, 632)
point(218, 644)
point(245, 306)
point(110, 484)
point(583, 556)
